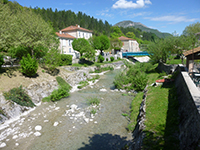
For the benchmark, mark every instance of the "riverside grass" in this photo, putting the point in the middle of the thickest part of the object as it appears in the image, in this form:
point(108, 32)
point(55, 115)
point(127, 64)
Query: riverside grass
point(162, 118)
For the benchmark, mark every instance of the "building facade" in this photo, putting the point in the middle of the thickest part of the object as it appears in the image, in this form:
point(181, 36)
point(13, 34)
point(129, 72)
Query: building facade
point(129, 45)
point(67, 35)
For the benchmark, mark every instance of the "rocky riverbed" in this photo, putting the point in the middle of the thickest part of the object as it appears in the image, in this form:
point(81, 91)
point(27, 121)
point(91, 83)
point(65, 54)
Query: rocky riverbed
point(69, 124)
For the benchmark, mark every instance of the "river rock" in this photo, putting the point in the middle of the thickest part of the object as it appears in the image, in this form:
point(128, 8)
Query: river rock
point(38, 128)
point(37, 133)
point(55, 124)
point(2, 145)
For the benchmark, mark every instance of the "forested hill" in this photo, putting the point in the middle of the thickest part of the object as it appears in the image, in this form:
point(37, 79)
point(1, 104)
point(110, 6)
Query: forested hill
point(60, 19)
point(142, 27)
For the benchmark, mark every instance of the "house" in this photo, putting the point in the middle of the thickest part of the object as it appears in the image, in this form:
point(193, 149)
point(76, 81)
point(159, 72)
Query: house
point(191, 55)
point(129, 45)
point(67, 35)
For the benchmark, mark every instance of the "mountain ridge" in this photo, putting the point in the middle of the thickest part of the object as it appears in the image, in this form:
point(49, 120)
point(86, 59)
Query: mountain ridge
point(128, 23)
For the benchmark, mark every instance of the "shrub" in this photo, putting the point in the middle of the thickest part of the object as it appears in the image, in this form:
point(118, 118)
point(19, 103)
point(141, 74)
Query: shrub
point(19, 96)
point(112, 58)
point(100, 58)
point(106, 59)
point(61, 92)
point(29, 66)
point(66, 60)
point(63, 83)
point(58, 94)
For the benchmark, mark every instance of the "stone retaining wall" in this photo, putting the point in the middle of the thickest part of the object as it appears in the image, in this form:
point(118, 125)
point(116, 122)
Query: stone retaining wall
point(189, 110)
point(138, 134)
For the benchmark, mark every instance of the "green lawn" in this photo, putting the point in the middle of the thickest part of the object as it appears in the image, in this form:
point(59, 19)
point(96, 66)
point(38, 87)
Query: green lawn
point(161, 117)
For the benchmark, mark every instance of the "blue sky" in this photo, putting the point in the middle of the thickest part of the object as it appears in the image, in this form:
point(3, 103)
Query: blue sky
point(164, 15)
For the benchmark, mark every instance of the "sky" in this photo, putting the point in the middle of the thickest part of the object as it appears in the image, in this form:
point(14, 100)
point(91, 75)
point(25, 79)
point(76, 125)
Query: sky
point(171, 16)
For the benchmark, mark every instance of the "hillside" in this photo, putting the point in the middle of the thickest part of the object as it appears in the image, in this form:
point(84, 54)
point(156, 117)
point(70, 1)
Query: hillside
point(139, 25)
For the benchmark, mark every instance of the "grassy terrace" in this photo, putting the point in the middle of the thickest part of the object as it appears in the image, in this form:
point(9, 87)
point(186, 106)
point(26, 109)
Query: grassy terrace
point(161, 116)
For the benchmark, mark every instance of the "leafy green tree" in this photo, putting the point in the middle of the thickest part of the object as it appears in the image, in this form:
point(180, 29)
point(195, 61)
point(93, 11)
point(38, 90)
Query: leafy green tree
point(192, 29)
point(105, 43)
point(116, 44)
point(89, 54)
point(52, 60)
point(130, 35)
point(116, 32)
point(29, 65)
point(80, 45)
point(24, 28)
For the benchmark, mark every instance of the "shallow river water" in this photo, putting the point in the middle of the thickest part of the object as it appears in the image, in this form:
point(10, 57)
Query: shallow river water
point(69, 125)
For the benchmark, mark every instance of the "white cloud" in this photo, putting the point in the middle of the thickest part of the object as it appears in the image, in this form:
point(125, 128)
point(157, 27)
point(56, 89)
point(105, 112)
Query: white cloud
point(105, 13)
point(139, 14)
point(68, 3)
point(129, 4)
point(172, 19)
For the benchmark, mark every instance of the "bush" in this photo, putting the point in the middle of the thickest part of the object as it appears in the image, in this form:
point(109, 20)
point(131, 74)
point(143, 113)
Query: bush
point(29, 66)
point(66, 60)
point(19, 96)
point(112, 58)
point(100, 58)
point(106, 59)
point(63, 83)
point(58, 94)
point(1, 60)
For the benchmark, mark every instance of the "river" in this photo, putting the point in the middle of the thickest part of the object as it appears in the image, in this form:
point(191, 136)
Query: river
point(69, 125)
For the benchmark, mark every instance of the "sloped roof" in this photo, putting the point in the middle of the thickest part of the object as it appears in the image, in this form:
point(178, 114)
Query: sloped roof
point(189, 52)
point(123, 38)
point(65, 35)
point(75, 28)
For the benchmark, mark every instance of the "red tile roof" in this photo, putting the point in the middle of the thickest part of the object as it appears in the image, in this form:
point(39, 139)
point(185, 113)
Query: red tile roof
point(65, 35)
point(192, 51)
point(75, 28)
point(123, 38)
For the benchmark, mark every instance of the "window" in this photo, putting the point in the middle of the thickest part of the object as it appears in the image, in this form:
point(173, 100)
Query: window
point(69, 50)
point(69, 43)
point(64, 52)
point(83, 35)
point(64, 42)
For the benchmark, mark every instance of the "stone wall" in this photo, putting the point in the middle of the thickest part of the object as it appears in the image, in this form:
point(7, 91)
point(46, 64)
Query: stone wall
point(138, 134)
point(189, 110)
point(166, 68)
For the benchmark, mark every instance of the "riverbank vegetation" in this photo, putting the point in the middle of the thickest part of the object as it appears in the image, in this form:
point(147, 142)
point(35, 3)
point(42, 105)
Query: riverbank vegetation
point(19, 96)
point(61, 92)
point(161, 131)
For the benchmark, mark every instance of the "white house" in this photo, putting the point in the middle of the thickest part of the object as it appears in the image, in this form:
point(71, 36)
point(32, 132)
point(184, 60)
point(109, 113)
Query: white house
point(129, 45)
point(67, 35)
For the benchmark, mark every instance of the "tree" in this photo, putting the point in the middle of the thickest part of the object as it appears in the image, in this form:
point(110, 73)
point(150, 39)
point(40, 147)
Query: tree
point(192, 29)
point(116, 44)
point(52, 60)
point(80, 45)
point(116, 32)
point(105, 43)
point(24, 28)
point(130, 35)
